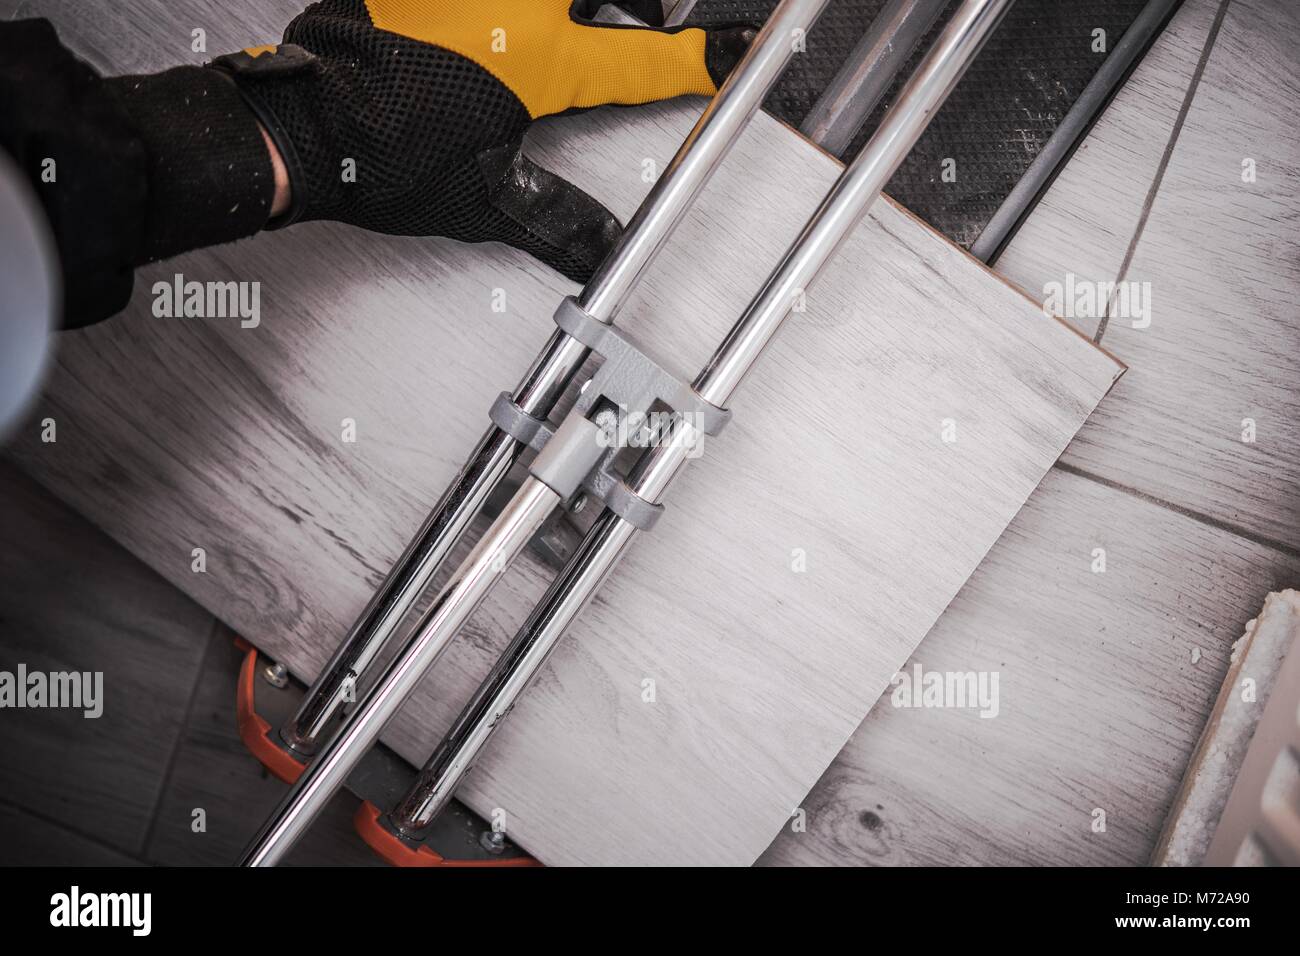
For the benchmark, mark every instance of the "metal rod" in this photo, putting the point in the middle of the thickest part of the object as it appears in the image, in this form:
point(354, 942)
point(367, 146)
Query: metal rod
point(404, 584)
point(679, 13)
point(884, 49)
point(1103, 86)
point(694, 163)
point(361, 728)
point(514, 669)
point(851, 196)
point(835, 218)
point(700, 154)
point(604, 295)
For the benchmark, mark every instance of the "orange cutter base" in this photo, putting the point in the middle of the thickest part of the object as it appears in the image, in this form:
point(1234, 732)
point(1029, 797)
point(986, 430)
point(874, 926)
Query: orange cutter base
point(254, 731)
point(396, 853)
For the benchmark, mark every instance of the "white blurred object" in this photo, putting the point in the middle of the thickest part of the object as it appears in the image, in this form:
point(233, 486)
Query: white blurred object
point(1239, 803)
point(29, 294)
point(1260, 825)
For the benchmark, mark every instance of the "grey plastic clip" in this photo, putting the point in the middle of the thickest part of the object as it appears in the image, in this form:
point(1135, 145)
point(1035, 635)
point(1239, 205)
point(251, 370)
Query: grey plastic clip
point(570, 454)
point(518, 424)
point(618, 496)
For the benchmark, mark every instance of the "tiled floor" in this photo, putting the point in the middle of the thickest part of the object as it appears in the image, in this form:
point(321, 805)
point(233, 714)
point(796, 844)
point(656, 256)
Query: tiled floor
point(1108, 677)
point(124, 787)
point(1160, 456)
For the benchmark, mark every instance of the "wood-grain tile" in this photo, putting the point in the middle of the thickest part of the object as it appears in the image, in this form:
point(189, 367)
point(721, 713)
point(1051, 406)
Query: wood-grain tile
point(1108, 701)
point(1208, 418)
point(73, 600)
point(1105, 680)
point(29, 840)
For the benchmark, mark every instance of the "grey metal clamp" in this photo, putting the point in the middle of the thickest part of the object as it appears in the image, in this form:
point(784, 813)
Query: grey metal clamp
point(629, 379)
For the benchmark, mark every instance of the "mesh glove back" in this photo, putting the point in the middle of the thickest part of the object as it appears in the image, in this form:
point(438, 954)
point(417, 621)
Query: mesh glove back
point(407, 116)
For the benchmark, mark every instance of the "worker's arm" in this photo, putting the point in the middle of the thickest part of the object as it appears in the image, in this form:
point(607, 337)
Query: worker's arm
point(400, 116)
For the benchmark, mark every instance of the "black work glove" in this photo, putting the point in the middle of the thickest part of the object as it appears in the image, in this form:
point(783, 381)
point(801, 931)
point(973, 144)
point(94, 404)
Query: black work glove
point(407, 116)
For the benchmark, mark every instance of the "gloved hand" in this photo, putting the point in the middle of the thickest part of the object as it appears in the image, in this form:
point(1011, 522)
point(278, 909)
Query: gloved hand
point(407, 116)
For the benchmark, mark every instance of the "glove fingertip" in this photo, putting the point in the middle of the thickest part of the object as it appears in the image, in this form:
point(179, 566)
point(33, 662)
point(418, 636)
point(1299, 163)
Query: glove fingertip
point(549, 217)
point(723, 49)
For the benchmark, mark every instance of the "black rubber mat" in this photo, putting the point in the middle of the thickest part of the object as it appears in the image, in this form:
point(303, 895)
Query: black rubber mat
point(997, 120)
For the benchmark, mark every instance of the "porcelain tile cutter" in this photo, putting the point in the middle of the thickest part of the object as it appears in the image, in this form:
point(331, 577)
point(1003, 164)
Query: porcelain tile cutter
point(575, 456)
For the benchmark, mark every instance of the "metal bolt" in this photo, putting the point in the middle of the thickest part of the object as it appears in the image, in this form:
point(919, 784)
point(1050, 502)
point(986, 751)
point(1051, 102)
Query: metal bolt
point(579, 503)
point(493, 841)
point(607, 419)
point(277, 675)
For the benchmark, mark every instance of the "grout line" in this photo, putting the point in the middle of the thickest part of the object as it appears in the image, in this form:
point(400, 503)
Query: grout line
point(181, 733)
point(1213, 522)
point(74, 831)
point(1158, 181)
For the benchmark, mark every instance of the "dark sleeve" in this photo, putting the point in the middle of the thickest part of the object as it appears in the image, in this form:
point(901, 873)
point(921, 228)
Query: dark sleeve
point(128, 170)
